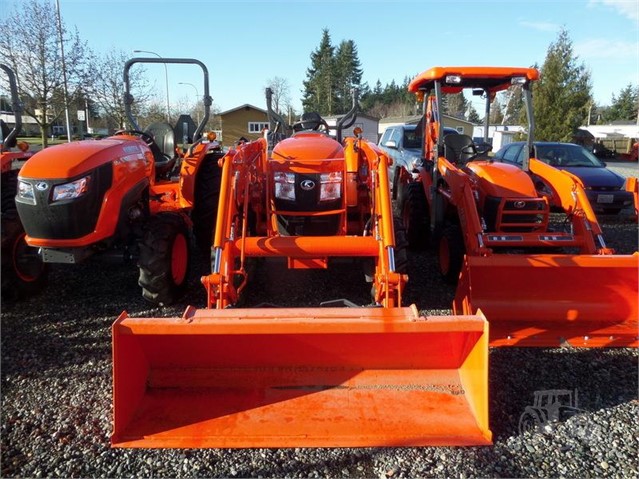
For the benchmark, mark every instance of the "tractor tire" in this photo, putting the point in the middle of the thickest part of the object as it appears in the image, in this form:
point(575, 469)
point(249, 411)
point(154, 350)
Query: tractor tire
point(530, 422)
point(206, 198)
point(451, 252)
point(164, 259)
point(401, 247)
point(23, 272)
point(415, 215)
point(401, 256)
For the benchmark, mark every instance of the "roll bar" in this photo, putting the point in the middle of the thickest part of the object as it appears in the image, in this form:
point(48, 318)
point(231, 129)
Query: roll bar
point(16, 104)
point(128, 98)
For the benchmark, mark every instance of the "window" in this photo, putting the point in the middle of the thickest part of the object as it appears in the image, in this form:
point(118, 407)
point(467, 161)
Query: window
point(396, 136)
point(511, 154)
point(257, 126)
point(386, 136)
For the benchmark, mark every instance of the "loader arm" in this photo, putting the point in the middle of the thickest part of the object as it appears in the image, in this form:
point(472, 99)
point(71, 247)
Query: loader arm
point(224, 376)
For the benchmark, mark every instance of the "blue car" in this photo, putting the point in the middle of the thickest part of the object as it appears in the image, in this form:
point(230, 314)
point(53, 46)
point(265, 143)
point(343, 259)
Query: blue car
point(605, 188)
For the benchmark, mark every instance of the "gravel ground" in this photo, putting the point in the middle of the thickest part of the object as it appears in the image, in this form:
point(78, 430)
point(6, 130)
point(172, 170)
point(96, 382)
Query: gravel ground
point(56, 388)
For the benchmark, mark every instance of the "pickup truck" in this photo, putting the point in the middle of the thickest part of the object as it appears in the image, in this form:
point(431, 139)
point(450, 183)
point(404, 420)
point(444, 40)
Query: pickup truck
point(403, 143)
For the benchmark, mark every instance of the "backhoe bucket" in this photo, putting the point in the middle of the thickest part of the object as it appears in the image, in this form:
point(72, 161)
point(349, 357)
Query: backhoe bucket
point(326, 377)
point(553, 300)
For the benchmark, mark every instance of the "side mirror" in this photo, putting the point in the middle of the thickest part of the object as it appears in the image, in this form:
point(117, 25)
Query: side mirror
point(391, 144)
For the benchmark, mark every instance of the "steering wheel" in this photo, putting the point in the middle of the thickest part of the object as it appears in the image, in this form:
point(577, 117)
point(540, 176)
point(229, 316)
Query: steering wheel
point(148, 139)
point(319, 122)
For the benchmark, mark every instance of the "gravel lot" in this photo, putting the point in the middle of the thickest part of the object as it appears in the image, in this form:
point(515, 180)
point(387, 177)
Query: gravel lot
point(56, 388)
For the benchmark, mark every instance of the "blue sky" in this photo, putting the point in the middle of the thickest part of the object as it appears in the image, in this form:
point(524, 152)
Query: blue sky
point(245, 43)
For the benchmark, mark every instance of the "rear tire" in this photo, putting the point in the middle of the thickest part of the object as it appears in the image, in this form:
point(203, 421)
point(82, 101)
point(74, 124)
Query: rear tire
point(415, 216)
point(164, 259)
point(451, 251)
point(207, 196)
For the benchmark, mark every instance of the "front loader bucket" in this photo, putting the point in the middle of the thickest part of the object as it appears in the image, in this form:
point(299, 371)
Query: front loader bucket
point(327, 377)
point(553, 300)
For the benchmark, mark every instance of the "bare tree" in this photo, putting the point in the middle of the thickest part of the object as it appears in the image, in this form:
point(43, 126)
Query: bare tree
point(107, 87)
point(29, 44)
point(281, 94)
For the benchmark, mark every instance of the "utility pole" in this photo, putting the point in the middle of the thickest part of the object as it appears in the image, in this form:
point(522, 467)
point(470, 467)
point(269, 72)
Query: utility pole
point(64, 76)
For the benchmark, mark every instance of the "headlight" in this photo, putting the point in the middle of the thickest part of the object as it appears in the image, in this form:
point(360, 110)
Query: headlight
point(331, 186)
point(25, 192)
point(284, 186)
point(72, 190)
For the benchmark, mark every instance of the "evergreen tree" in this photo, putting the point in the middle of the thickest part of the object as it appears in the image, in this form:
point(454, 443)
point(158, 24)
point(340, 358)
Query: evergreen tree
point(348, 73)
point(319, 86)
point(514, 105)
point(472, 115)
point(563, 94)
point(624, 106)
point(496, 112)
point(455, 105)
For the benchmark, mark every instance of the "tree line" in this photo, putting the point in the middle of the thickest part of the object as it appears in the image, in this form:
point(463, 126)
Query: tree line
point(30, 46)
point(562, 98)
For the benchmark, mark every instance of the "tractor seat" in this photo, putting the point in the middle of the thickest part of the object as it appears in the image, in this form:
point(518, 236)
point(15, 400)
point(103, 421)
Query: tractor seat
point(459, 149)
point(163, 148)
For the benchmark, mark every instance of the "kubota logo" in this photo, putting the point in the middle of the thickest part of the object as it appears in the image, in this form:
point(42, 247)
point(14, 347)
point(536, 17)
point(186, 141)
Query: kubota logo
point(41, 186)
point(307, 185)
point(519, 204)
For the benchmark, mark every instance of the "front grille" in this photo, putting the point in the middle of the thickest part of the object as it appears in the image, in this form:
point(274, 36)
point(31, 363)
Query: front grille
point(66, 219)
point(516, 214)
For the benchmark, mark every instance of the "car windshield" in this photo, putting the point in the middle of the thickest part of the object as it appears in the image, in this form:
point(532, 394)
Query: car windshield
point(563, 154)
point(412, 139)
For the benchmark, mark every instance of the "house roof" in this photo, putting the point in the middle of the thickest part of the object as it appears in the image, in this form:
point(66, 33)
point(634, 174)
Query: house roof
point(241, 107)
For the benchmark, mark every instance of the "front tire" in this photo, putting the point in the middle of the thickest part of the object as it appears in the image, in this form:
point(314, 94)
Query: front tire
point(451, 253)
point(23, 272)
point(207, 197)
point(415, 216)
point(164, 259)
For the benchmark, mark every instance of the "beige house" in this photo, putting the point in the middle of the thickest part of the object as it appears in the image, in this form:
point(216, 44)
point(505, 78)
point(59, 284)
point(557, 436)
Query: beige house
point(245, 121)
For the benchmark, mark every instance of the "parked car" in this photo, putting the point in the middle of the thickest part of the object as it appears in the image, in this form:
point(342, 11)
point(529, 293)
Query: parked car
point(604, 187)
point(403, 144)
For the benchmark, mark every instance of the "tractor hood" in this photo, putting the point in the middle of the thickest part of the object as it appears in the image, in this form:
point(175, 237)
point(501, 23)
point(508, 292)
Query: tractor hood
point(73, 159)
point(501, 179)
point(308, 146)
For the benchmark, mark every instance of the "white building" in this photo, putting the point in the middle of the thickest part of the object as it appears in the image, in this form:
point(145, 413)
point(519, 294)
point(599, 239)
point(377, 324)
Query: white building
point(368, 124)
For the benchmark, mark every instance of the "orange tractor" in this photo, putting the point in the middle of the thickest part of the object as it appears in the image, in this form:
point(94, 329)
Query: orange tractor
point(523, 245)
point(376, 375)
point(133, 196)
point(23, 272)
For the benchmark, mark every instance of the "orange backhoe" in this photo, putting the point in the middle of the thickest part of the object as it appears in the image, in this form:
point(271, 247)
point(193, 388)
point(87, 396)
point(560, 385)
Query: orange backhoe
point(23, 272)
point(373, 375)
point(522, 244)
point(134, 196)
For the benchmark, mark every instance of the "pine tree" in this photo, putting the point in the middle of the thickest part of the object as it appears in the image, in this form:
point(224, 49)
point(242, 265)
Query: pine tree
point(514, 105)
point(348, 75)
point(624, 106)
point(455, 105)
point(319, 86)
point(563, 94)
